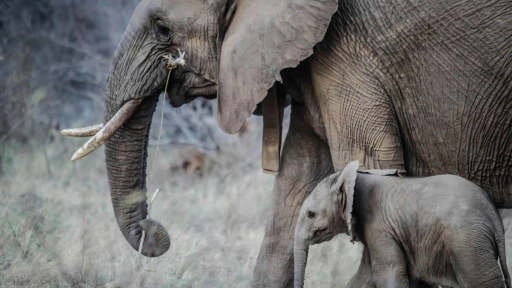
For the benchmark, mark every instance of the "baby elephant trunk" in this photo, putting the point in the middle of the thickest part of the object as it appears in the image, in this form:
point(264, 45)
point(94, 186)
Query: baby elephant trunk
point(300, 255)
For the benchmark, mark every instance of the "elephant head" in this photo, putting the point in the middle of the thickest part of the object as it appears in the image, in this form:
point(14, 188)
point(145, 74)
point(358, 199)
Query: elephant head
point(235, 50)
point(324, 214)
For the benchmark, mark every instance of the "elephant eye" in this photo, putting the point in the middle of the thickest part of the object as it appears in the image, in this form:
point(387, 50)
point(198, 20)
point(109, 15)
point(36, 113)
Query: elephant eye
point(163, 33)
point(311, 214)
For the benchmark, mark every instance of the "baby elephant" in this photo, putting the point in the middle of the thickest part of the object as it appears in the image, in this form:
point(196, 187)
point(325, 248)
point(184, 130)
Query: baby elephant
point(441, 229)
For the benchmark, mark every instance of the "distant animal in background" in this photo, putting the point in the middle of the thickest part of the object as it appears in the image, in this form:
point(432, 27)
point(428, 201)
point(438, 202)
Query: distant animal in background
point(195, 162)
point(441, 229)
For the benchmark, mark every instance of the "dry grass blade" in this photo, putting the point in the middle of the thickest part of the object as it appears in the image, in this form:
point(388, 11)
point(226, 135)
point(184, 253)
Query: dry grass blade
point(144, 232)
point(171, 64)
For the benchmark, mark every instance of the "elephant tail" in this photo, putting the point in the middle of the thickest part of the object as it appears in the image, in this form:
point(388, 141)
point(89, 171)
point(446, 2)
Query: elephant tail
point(500, 243)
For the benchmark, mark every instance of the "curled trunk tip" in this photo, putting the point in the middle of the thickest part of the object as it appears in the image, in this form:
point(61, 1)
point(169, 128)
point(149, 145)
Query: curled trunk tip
point(130, 210)
point(156, 241)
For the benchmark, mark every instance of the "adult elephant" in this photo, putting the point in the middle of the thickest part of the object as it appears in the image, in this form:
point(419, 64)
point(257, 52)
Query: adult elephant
point(422, 86)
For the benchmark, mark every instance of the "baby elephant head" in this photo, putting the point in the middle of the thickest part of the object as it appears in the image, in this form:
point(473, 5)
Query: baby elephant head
point(325, 213)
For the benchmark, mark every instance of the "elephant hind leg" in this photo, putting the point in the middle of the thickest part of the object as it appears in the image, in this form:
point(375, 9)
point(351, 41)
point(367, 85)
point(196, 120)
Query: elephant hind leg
point(478, 267)
point(487, 276)
point(305, 161)
point(480, 279)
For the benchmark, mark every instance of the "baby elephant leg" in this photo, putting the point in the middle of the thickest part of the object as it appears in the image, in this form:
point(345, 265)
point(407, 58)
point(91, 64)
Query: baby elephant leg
point(363, 277)
point(478, 269)
point(389, 266)
point(418, 283)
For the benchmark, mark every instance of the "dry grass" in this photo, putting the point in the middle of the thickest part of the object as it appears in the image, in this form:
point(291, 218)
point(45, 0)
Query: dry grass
point(57, 227)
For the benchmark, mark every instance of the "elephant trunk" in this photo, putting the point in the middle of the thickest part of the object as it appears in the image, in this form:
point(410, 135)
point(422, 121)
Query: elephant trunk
point(126, 160)
point(300, 258)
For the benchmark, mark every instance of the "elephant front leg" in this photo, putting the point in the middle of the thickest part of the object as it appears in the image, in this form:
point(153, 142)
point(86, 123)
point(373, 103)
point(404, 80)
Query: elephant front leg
point(389, 266)
point(364, 275)
point(305, 161)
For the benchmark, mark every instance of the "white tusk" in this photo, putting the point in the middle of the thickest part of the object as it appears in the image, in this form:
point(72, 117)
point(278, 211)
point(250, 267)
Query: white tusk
point(108, 130)
point(82, 132)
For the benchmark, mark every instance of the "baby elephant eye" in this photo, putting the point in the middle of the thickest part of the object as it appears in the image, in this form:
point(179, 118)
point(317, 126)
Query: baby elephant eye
point(311, 214)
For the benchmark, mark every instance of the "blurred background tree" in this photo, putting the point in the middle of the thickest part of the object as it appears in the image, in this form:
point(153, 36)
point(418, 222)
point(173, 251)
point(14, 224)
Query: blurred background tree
point(54, 60)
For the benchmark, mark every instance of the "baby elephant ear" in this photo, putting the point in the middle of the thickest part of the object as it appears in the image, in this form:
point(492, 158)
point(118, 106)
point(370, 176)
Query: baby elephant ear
point(345, 184)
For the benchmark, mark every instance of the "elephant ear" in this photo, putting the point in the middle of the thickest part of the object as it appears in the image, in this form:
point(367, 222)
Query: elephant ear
point(263, 38)
point(345, 184)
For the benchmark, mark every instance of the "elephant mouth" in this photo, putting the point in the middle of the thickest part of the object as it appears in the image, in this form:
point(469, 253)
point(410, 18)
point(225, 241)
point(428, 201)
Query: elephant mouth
point(328, 236)
point(208, 91)
point(185, 87)
point(322, 236)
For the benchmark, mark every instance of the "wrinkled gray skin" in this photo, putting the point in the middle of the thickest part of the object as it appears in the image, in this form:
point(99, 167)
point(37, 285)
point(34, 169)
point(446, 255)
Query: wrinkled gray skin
point(442, 229)
point(423, 86)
